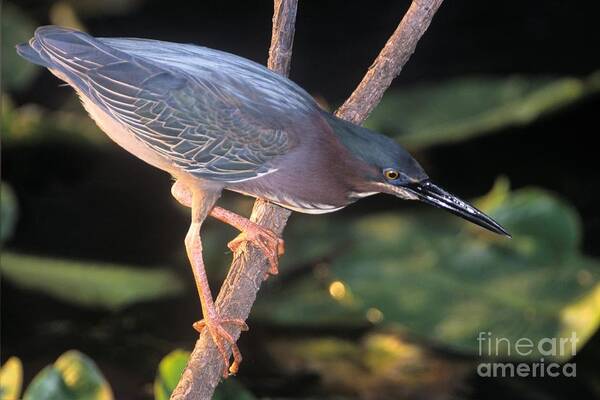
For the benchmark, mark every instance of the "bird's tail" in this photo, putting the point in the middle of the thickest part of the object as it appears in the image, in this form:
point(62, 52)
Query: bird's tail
point(50, 43)
point(68, 51)
point(54, 45)
point(32, 52)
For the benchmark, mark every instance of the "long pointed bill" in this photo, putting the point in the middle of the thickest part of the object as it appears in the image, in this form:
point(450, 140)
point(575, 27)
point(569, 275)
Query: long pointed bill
point(429, 193)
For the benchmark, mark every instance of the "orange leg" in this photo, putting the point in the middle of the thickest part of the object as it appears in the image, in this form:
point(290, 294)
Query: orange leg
point(266, 240)
point(201, 203)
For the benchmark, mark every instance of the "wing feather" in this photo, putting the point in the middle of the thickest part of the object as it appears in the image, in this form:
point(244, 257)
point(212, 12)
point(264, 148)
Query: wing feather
point(209, 124)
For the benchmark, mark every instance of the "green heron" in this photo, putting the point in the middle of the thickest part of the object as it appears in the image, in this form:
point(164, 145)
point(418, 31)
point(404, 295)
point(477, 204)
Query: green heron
point(216, 121)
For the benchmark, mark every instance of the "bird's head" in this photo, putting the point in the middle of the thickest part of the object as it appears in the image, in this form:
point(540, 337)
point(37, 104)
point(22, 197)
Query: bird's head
point(392, 170)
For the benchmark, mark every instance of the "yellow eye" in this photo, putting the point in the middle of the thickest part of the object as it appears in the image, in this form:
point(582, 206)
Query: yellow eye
point(391, 174)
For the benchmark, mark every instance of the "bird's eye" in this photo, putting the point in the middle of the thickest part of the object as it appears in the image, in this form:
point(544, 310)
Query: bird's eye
point(391, 174)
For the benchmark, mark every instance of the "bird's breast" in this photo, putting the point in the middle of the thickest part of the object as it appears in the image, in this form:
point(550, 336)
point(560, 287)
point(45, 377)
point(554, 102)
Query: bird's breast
point(299, 188)
point(291, 201)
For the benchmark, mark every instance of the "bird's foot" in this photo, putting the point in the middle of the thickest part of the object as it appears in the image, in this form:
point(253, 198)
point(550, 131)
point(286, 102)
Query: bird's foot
point(265, 239)
point(219, 335)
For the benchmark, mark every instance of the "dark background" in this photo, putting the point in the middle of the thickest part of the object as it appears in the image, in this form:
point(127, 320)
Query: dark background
point(109, 206)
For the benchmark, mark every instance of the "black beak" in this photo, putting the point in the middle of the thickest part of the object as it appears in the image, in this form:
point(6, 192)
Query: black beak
point(438, 197)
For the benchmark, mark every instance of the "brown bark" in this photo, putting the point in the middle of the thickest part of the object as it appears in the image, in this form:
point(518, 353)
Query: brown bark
point(249, 266)
point(388, 64)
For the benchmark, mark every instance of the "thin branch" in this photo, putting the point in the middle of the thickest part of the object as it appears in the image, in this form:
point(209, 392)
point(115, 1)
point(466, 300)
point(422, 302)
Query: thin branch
point(390, 61)
point(282, 37)
point(249, 265)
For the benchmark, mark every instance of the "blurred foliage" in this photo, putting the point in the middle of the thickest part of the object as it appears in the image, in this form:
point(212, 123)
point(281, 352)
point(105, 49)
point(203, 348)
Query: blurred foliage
point(8, 212)
point(462, 108)
point(30, 123)
point(107, 7)
point(379, 366)
point(169, 372)
point(62, 13)
point(74, 376)
point(11, 379)
point(232, 389)
point(16, 28)
point(89, 284)
point(446, 281)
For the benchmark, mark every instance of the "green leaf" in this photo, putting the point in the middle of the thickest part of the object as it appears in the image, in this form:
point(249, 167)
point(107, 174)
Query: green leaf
point(11, 379)
point(73, 376)
point(544, 228)
point(89, 284)
point(446, 281)
point(16, 28)
point(459, 109)
point(8, 212)
point(47, 385)
point(169, 373)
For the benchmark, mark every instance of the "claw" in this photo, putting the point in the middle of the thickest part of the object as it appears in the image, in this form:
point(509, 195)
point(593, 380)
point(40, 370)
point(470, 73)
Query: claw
point(200, 325)
point(218, 335)
point(266, 240)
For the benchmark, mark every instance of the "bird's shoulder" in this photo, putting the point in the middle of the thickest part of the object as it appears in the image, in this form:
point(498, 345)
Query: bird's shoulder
point(234, 75)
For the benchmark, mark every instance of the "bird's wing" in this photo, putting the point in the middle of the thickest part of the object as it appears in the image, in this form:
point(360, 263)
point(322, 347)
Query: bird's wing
point(211, 126)
point(192, 123)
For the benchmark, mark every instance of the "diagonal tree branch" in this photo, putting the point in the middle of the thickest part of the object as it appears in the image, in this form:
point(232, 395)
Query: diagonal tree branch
point(249, 265)
point(390, 61)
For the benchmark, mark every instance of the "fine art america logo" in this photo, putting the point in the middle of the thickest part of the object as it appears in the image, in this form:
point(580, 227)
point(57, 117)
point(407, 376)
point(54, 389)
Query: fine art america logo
point(491, 346)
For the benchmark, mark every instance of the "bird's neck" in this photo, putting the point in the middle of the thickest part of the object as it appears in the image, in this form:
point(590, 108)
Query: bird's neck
point(362, 144)
point(361, 147)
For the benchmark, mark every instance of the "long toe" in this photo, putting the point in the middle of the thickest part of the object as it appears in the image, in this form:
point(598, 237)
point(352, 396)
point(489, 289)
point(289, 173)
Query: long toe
point(264, 239)
point(220, 336)
point(200, 325)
